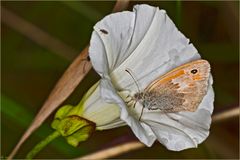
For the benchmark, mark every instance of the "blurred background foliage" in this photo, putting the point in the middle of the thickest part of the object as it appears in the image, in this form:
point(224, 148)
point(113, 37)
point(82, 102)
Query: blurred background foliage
point(29, 71)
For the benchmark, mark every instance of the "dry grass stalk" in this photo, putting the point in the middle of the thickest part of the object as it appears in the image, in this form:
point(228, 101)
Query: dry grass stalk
point(226, 115)
point(114, 151)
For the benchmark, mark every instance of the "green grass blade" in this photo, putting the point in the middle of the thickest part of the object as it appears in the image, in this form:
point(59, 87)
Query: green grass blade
point(88, 12)
point(179, 12)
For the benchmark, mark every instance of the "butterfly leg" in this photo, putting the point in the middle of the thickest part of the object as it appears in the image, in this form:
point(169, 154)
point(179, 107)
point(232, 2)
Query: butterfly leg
point(134, 105)
point(152, 109)
point(129, 101)
point(141, 114)
point(127, 97)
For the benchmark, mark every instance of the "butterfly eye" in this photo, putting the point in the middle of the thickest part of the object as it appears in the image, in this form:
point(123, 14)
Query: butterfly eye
point(194, 71)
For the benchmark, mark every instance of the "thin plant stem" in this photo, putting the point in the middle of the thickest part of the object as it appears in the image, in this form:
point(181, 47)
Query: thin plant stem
point(114, 151)
point(42, 144)
point(226, 115)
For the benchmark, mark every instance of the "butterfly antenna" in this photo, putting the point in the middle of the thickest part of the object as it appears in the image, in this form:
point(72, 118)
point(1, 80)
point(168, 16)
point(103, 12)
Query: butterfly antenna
point(141, 114)
point(129, 72)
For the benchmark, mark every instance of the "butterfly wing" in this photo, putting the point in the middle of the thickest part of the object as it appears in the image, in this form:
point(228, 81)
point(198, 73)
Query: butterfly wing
point(181, 89)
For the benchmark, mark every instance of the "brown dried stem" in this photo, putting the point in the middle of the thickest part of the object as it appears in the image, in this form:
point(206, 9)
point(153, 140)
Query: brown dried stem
point(130, 146)
point(226, 115)
point(114, 151)
point(64, 87)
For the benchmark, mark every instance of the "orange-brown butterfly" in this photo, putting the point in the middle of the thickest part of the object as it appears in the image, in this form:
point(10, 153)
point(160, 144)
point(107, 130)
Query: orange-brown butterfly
point(181, 89)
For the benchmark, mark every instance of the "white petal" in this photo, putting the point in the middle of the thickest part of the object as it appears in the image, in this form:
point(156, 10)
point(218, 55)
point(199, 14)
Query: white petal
point(142, 131)
point(110, 40)
point(98, 55)
point(178, 131)
point(105, 115)
point(114, 124)
point(161, 49)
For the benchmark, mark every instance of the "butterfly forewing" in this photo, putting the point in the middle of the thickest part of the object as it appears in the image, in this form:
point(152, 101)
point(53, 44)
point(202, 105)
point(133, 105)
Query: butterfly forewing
point(181, 89)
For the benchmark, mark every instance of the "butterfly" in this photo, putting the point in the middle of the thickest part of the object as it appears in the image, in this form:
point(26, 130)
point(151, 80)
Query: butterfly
point(181, 89)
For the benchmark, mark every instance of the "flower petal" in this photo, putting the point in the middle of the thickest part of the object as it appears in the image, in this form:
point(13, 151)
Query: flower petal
point(161, 49)
point(142, 131)
point(97, 54)
point(178, 131)
point(110, 40)
point(95, 109)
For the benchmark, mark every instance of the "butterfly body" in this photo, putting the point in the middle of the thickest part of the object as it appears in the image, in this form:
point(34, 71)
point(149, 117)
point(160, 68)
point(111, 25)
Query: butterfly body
point(181, 89)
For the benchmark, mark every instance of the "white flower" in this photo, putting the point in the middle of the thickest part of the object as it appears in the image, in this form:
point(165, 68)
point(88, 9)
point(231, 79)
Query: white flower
point(105, 115)
point(148, 43)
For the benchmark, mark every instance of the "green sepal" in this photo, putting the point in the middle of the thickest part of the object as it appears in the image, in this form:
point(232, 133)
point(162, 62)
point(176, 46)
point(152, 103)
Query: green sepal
point(80, 136)
point(55, 123)
point(74, 128)
point(71, 124)
point(61, 113)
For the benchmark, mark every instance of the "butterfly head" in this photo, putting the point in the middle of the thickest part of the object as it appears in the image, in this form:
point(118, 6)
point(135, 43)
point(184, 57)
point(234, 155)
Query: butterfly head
point(139, 96)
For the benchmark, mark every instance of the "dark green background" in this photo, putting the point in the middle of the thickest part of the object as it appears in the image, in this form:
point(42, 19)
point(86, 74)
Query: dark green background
point(29, 72)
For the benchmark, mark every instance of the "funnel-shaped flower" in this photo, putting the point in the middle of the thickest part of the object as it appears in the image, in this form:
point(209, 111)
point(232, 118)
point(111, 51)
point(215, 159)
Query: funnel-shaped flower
point(147, 43)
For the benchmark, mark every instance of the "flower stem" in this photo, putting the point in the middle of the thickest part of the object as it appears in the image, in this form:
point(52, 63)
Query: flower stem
point(42, 144)
point(226, 114)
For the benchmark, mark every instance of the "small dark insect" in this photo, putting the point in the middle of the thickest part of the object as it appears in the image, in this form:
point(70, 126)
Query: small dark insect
point(104, 31)
point(194, 71)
